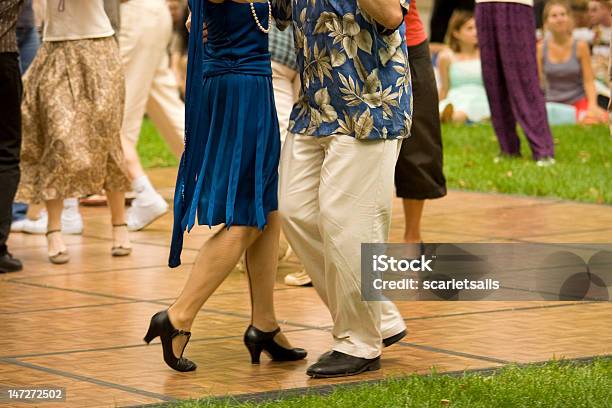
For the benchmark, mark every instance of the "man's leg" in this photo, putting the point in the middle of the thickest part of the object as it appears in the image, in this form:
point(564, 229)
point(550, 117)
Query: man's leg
point(166, 109)
point(10, 145)
point(300, 175)
point(355, 208)
point(146, 27)
point(283, 81)
point(502, 116)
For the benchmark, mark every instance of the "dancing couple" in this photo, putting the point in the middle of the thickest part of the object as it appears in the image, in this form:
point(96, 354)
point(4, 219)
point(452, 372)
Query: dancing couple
point(336, 171)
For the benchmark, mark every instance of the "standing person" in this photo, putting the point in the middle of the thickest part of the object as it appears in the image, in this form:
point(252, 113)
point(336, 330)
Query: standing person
point(228, 175)
point(34, 220)
point(338, 162)
point(28, 42)
point(10, 126)
point(419, 172)
point(506, 36)
point(151, 87)
point(74, 149)
point(286, 83)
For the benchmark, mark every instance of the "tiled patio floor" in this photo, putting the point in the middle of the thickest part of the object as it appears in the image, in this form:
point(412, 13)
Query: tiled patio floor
point(80, 326)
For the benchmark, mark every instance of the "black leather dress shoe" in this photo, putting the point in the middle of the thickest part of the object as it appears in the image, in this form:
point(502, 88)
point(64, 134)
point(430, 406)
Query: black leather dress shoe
point(337, 364)
point(9, 264)
point(389, 341)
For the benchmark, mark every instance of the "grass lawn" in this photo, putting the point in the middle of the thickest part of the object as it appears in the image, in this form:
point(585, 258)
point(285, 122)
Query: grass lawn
point(152, 149)
point(583, 171)
point(552, 385)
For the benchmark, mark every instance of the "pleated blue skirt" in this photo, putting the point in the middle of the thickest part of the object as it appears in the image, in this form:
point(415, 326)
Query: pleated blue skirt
point(229, 172)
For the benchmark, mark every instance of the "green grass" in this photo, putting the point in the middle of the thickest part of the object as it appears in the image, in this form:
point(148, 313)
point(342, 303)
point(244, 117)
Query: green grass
point(583, 171)
point(552, 385)
point(152, 149)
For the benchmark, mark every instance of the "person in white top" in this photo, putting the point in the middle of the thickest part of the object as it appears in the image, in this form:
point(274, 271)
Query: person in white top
point(72, 111)
point(507, 40)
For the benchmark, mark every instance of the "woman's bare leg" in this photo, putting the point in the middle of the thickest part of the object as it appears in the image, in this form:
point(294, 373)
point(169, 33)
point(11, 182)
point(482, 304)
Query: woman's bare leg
point(216, 259)
point(55, 242)
point(116, 202)
point(261, 261)
point(413, 212)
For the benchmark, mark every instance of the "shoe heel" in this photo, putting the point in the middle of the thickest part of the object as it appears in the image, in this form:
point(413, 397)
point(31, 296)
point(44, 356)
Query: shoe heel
point(255, 351)
point(152, 333)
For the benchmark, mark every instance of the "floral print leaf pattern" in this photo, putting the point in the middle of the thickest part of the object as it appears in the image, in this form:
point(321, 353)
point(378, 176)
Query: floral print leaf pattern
point(364, 125)
point(355, 76)
point(328, 113)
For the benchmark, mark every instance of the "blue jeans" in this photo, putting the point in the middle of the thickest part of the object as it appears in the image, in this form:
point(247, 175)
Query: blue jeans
point(28, 42)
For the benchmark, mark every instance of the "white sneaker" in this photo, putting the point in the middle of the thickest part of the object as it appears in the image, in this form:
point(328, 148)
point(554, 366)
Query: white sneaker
point(300, 278)
point(17, 226)
point(38, 226)
point(545, 162)
point(144, 211)
point(72, 222)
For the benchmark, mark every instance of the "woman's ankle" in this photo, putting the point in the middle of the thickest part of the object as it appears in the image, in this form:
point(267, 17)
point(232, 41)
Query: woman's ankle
point(179, 319)
point(266, 324)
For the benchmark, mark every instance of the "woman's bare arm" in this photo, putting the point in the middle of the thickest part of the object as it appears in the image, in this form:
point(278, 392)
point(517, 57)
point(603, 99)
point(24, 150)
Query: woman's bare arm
point(444, 61)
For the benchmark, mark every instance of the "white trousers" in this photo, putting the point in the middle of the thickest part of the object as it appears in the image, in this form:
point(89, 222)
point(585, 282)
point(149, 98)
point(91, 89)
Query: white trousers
point(286, 84)
point(146, 32)
point(335, 193)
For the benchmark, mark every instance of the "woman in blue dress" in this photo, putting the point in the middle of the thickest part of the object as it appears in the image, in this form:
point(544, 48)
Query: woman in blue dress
point(228, 175)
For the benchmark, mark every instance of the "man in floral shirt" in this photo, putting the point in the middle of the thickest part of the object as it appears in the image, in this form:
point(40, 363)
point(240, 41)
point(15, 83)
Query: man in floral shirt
point(338, 161)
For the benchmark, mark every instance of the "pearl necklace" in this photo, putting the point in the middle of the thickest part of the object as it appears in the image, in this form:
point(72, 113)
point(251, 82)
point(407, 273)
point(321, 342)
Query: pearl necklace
point(259, 26)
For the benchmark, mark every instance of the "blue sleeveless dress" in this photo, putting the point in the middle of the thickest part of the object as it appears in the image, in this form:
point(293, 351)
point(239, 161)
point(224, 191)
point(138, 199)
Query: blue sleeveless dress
point(229, 171)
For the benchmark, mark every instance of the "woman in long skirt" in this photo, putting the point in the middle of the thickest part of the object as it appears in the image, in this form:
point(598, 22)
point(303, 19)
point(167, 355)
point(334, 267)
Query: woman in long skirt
point(72, 114)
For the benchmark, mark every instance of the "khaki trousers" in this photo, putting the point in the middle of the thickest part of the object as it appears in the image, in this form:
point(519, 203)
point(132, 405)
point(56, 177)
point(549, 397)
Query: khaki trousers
point(336, 193)
point(286, 84)
point(146, 32)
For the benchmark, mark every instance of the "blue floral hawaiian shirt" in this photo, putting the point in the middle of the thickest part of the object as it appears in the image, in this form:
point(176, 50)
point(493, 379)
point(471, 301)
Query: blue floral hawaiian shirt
point(355, 73)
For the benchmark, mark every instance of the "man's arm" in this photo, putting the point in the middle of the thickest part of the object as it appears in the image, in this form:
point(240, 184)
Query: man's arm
point(387, 13)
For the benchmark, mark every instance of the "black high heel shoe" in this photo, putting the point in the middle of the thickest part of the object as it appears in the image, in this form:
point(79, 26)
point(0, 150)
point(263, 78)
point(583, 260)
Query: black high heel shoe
point(257, 341)
point(162, 327)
